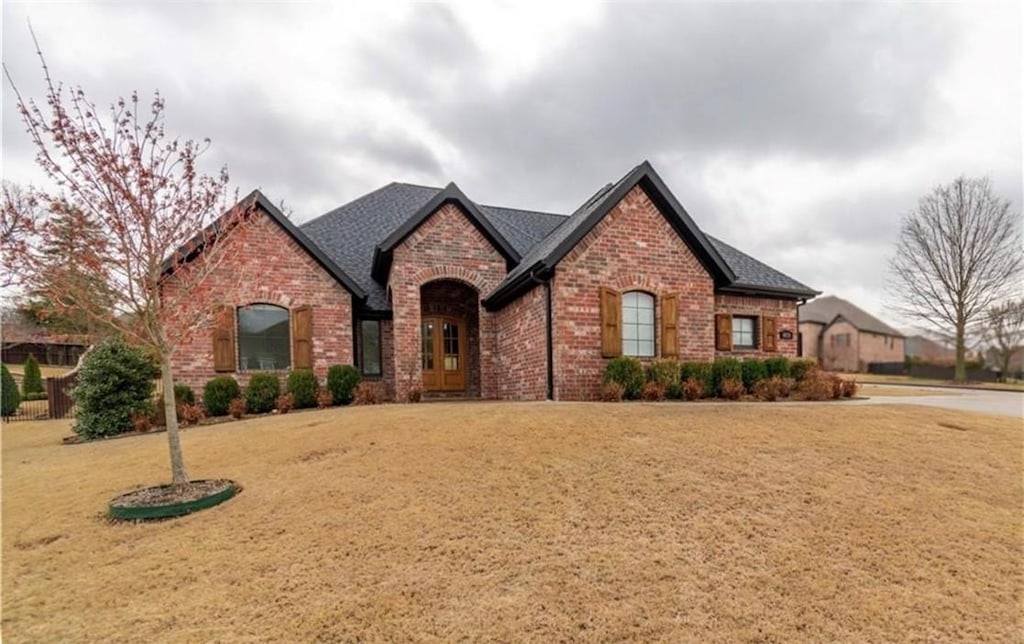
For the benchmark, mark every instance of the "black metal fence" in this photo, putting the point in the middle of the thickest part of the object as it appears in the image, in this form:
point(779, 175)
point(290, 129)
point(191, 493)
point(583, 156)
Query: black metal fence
point(930, 371)
point(57, 404)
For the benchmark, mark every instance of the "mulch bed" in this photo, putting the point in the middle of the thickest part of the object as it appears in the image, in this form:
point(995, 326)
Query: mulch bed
point(168, 494)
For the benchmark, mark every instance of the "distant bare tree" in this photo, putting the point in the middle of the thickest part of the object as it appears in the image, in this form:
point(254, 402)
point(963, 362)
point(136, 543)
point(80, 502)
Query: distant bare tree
point(958, 253)
point(1005, 330)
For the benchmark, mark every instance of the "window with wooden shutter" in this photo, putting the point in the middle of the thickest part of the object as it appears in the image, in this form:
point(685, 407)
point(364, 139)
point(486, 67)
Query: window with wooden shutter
point(768, 332)
point(611, 324)
point(670, 326)
point(723, 332)
point(223, 339)
point(302, 338)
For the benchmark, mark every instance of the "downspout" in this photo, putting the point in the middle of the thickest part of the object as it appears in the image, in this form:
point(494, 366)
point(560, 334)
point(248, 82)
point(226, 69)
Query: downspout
point(550, 335)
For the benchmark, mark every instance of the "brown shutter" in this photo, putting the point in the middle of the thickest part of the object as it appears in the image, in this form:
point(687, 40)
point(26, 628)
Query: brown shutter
point(611, 326)
point(769, 333)
point(223, 339)
point(723, 332)
point(670, 326)
point(302, 338)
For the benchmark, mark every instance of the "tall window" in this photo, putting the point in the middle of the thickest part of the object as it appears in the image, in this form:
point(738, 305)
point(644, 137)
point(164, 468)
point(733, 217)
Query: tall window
point(369, 347)
point(264, 340)
point(637, 324)
point(743, 336)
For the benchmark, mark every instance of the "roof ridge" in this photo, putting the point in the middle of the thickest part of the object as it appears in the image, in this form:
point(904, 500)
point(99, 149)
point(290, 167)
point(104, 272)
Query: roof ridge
point(532, 212)
point(363, 197)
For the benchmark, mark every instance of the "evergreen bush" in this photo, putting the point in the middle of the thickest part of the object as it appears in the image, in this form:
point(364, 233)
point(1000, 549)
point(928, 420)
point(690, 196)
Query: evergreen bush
point(341, 382)
point(703, 373)
point(725, 369)
point(778, 366)
point(115, 384)
point(626, 371)
point(666, 374)
point(754, 371)
point(32, 381)
point(303, 387)
point(9, 393)
point(218, 394)
point(262, 392)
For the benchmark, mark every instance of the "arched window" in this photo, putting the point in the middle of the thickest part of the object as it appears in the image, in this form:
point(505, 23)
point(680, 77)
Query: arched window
point(637, 324)
point(264, 338)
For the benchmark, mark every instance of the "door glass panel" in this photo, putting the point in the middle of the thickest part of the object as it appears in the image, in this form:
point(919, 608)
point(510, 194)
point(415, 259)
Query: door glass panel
point(451, 347)
point(427, 333)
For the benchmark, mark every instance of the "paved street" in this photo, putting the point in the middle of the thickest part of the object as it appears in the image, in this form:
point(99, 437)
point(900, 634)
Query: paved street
point(1004, 403)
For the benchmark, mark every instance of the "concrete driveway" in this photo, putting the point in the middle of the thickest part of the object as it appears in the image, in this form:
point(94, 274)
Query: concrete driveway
point(1003, 403)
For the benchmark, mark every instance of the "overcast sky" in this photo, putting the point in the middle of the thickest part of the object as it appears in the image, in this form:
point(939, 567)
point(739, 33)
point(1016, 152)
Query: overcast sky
point(800, 133)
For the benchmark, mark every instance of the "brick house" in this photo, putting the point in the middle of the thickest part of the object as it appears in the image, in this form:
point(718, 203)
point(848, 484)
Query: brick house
point(422, 288)
point(843, 337)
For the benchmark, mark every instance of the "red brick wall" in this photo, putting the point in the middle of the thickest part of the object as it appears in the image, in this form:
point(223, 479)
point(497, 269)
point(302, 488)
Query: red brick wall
point(288, 277)
point(445, 246)
point(632, 248)
point(522, 348)
point(783, 310)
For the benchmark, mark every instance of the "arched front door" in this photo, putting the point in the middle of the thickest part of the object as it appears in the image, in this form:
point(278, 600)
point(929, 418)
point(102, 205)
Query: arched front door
point(444, 355)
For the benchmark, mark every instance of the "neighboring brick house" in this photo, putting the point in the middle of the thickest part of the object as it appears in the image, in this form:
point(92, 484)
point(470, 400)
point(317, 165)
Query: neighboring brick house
point(845, 338)
point(422, 288)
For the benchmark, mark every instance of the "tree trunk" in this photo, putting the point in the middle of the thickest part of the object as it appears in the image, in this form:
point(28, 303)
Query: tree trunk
point(960, 375)
point(178, 475)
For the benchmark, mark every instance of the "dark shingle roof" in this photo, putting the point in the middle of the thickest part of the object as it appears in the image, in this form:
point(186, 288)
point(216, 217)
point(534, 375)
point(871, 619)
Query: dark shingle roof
point(826, 309)
point(755, 274)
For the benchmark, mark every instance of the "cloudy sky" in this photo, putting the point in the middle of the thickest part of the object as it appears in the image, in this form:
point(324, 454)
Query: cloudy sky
point(800, 133)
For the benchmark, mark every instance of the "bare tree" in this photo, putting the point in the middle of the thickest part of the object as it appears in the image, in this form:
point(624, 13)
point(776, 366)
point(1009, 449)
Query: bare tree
point(147, 211)
point(1005, 330)
point(20, 214)
point(958, 252)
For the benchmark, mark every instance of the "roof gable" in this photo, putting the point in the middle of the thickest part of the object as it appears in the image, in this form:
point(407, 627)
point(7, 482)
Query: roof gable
point(827, 309)
point(450, 194)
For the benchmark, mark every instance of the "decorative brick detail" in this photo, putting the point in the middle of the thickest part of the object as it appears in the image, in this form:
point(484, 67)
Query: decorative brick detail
point(446, 246)
point(522, 348)
point(783, 310)
point(292, 278)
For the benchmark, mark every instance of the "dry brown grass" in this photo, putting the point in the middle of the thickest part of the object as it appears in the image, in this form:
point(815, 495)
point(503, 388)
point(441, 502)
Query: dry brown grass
point(866, 378)
point(530, 522)
point(872, 390)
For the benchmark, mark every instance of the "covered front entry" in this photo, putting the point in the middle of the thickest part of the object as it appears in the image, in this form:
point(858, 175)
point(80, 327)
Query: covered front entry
point(444, 354)
point(450, 338)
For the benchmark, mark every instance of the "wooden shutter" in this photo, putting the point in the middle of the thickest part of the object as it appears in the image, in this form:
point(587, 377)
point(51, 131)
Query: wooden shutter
point(302, 337)
point(723, 332)
point(670, 326)
point(769, 331)
point(223, 339)
point(611, 323)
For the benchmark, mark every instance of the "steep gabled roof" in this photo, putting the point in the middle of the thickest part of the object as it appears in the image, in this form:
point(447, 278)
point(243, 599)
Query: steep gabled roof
point(827, 310)
point(451, 194)
point(543, 257)
point(756, 276)
point(257, 199)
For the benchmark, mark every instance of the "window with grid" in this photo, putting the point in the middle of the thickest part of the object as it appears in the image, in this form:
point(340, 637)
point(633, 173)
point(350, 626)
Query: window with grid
point(637, 324)
point(744, 332)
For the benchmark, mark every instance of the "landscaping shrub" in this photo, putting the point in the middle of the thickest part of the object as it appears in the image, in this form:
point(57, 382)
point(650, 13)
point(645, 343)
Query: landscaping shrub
point(666, 374)
point(817, 385)
point(849, 388)
point(218, 394)
point(190, 414)
point(800, 369)
point(32, 380)
point(754, 371)
point(778, 366)
point(9, 393)
point(237, 407)
point(38, 395)
point(726, 369)
point(115, 383)
point(731, 388)
point(626, 371)
point(262, 392)
point(652, 391)
point(612, 392)
point(183, 395)
point(342, 380)
point(324, 399)
point(415, 395)
point(774, 388)
point(693, 389)
point(284, 403)
point(368, 393)
point(142, 422)
point(303, 387)
point(702, 372)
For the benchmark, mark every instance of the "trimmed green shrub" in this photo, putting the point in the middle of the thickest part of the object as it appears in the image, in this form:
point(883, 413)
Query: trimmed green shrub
point(726, 369)
point(703, 373)
point(115, 384)
point(800, 369)
point(626, 371)
point(754, 371)
point(303, 387)
point(731, 388)
point(262, 392)
point(778, 366)
point(183, 395)
point(9, 393)
point(218, 394)
point(341, 382)
point(32, 381)
point(39, 395)
point(666, 374)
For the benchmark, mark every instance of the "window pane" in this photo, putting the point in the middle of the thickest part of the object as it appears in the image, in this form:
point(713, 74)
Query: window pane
point(428, 346)
point(264, 339)
point(743, 332)
point(637, 324)
point(370, 347)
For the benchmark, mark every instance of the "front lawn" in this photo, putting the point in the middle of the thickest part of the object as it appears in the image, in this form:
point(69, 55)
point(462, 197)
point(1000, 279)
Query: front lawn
point(530, 522)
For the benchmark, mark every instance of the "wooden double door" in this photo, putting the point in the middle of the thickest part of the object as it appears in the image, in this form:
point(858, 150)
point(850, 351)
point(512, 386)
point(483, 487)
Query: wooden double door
point(444, 354)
